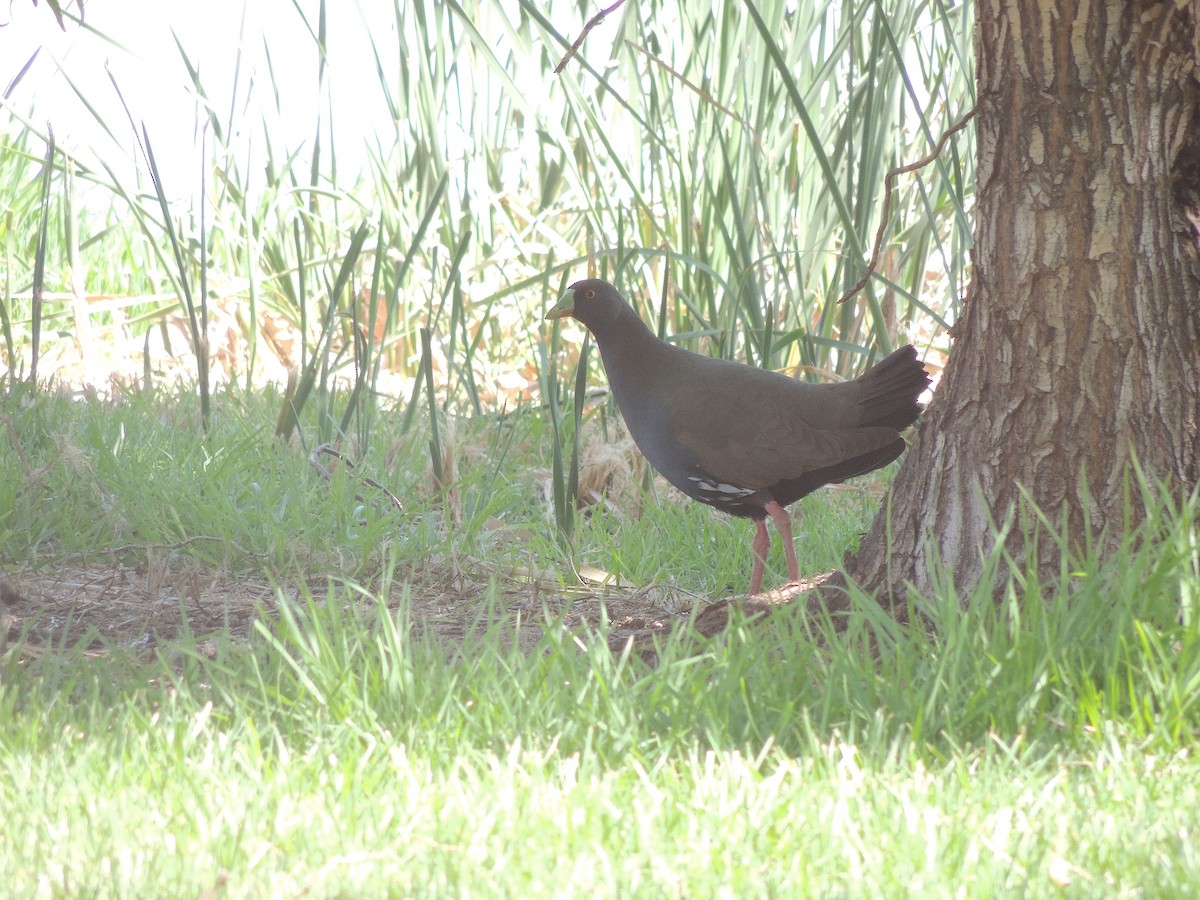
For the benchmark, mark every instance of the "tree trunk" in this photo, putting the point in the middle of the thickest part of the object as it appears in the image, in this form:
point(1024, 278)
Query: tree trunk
point(1079, 345)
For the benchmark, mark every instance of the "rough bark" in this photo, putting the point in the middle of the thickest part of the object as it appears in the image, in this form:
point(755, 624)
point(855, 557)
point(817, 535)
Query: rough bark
point(1079, 344)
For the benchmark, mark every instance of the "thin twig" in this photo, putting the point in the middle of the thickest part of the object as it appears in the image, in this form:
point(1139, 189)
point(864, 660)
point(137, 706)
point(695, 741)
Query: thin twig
point(887, 200)
point(370, 482)
point(696, 89)
point(177, 545)
point(592, 23)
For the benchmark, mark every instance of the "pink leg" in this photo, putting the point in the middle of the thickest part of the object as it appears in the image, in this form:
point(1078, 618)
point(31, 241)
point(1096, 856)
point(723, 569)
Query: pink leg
point(783, 524)
point(762, 546)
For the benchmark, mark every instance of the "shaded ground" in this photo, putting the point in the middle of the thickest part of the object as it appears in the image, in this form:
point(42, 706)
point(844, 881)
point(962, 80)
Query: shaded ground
point(122, 607)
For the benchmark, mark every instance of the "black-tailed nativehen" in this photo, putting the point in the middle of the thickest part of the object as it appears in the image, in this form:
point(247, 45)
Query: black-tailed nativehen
point(745, 440)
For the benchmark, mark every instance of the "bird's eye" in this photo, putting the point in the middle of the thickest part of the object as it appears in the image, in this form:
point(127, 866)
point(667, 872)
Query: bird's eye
point(589, 294)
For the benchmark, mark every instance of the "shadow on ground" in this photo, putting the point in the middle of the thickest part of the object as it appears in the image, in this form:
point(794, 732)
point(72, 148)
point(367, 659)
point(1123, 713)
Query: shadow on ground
point(107, 608)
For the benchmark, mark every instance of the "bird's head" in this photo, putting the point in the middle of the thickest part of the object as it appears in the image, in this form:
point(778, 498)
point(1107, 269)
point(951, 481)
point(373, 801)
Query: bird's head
point(592, 301)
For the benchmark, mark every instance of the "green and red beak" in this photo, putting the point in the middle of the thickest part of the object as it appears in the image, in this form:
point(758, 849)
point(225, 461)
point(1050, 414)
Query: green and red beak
point(564, 307)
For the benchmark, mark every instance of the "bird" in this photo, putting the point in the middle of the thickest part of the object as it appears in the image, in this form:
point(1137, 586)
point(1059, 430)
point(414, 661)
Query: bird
point(744, 440)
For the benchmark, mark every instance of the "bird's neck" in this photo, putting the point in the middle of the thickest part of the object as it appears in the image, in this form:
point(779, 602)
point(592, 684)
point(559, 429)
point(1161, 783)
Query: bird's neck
point(617, 323)
point(630, 351)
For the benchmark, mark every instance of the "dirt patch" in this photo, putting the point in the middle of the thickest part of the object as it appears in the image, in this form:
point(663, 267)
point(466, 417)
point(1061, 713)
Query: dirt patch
point(140, 609)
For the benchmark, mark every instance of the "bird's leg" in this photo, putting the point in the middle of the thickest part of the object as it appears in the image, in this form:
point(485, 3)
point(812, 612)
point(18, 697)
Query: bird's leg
point(783, 524)
point(761, 546)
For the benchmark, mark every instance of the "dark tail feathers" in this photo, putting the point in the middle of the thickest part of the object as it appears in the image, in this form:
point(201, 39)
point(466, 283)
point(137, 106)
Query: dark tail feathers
point(889, 391)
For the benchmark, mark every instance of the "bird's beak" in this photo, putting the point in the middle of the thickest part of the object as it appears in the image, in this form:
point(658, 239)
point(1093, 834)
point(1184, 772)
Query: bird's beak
point(564, 307)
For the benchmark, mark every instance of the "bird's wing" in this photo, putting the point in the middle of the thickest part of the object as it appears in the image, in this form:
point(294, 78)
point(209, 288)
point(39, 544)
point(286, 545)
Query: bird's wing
point(765, 453)
point(757, 430)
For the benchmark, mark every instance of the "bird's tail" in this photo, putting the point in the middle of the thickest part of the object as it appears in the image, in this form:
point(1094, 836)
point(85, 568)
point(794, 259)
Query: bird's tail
point(888, 392)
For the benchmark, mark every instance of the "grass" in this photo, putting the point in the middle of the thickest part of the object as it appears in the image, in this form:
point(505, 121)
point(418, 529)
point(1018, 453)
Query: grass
point(238, 798)
point(707, 150)
point(1038, 745)
point(701, 158)
point(141, 475)
point(725, 167)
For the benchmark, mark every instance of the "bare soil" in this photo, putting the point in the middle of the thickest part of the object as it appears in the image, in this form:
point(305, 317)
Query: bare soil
point(118, 607)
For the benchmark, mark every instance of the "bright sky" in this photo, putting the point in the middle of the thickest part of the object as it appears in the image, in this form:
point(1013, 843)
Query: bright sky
point(143, 59)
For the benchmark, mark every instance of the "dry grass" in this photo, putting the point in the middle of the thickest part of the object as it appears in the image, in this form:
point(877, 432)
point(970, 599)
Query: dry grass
point(112, 607)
